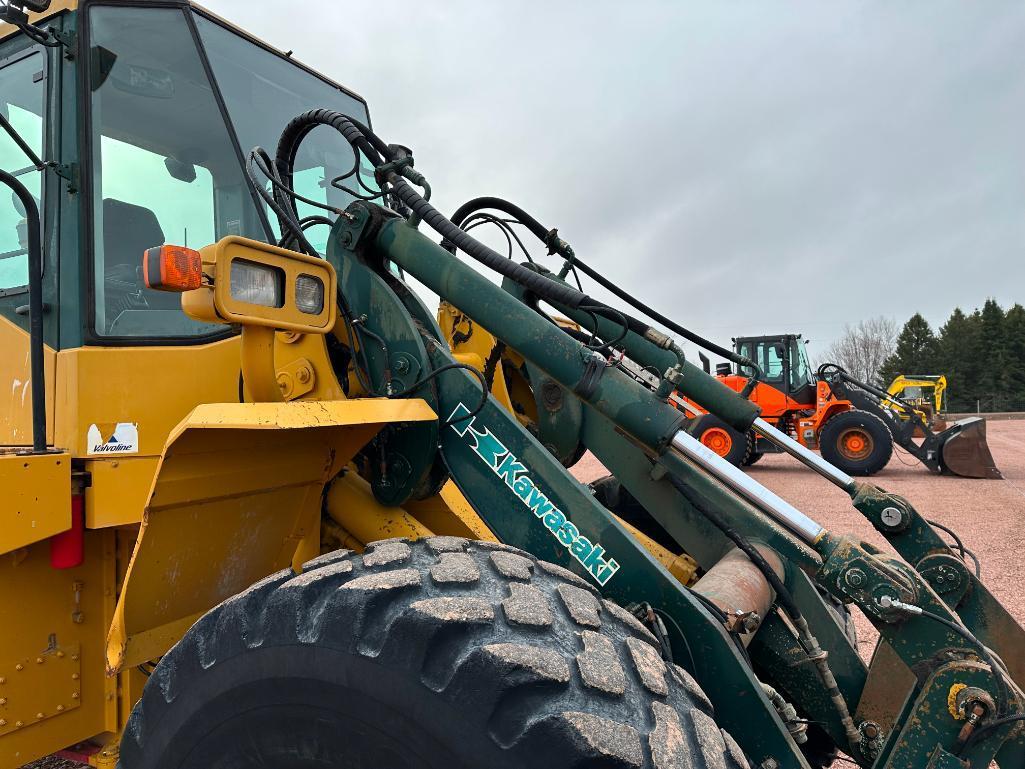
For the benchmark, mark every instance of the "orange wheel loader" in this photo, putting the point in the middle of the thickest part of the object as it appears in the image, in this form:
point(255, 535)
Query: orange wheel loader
point(854, 425)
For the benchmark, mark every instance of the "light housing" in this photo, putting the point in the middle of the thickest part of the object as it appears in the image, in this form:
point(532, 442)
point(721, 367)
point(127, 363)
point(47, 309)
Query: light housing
point(172, 268)
point(258, 284)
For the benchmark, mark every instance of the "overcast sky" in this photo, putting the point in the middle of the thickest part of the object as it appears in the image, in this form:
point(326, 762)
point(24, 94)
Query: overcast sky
point(747, 167)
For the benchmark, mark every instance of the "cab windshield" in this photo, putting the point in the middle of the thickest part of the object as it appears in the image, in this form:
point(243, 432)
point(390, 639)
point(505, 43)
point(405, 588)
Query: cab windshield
point(168, 168)
point(800, 367)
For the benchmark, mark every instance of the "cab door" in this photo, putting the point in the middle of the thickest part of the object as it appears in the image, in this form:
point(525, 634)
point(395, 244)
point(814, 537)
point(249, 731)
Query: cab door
point(26, 91)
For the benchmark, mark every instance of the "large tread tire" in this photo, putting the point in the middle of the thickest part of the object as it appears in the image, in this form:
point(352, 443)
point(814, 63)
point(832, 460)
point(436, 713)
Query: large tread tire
point(442, 653)
point(750, 454)
point(718, 436)
point(861, 422)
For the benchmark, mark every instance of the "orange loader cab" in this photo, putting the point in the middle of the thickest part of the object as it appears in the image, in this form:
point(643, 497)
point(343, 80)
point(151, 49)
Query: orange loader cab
point(857, 442)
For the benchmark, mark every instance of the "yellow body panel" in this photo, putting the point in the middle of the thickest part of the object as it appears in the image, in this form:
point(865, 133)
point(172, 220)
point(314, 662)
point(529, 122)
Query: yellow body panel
point(118, 490)
point(35, 498)
point(46, 613)
point(449, 513)
point(16, 386)
point(153, 387)
point(238, 488)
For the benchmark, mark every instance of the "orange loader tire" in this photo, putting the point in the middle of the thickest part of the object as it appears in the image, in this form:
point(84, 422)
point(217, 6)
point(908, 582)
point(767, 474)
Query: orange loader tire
point(857, 442)
point(750, 454)
point(720, 438)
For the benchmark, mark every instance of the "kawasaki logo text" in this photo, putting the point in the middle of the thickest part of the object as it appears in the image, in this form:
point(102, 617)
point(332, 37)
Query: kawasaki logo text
point(516, 477)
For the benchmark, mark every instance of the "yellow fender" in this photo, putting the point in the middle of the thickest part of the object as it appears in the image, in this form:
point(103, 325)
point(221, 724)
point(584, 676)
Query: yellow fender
point(237, 489)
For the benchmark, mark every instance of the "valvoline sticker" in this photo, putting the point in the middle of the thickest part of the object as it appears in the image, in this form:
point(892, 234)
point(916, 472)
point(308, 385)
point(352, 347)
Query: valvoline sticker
point(113, 438)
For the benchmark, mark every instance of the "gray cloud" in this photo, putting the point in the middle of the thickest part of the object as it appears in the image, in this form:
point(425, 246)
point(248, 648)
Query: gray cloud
point(747, 167)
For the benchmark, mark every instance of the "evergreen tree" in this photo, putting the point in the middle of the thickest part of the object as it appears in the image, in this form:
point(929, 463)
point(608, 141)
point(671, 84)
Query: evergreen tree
point(991, 354)
point(958, 347)
point(916, 353)
point(1013, 375)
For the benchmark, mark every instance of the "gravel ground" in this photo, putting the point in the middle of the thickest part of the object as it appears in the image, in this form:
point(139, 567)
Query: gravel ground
point(988, 515)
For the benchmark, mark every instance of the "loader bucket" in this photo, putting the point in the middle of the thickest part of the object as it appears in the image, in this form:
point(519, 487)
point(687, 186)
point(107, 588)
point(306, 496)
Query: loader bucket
point(964, 451)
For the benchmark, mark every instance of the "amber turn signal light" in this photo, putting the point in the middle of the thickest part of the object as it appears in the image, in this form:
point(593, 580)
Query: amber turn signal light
point(172, 268)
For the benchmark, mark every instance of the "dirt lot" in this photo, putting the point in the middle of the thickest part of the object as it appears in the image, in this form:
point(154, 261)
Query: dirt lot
point(988, 515)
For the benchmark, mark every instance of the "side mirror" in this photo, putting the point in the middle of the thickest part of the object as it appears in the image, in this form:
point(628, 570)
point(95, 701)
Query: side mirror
point(180, 170)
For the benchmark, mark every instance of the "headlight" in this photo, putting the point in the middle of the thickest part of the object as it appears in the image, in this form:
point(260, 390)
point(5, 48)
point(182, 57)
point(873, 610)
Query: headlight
point(309, 294)
point(258, 284)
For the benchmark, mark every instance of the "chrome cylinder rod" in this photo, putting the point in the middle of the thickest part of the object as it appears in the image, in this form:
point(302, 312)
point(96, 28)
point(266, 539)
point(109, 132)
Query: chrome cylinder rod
point(736, 479)
point(803, 454)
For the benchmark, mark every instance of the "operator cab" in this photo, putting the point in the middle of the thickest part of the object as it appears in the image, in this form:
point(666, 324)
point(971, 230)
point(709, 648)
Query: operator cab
point(784, 363)
point(150, 144)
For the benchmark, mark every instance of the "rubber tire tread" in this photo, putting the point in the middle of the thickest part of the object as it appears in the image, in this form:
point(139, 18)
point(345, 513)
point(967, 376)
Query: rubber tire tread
point(882, 438)
point(524, 663)
point(750, 455)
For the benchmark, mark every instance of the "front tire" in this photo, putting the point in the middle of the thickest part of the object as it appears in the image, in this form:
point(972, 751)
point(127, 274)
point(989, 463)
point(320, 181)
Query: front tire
point(435, 654)
point(857, 442)
point(720, 438)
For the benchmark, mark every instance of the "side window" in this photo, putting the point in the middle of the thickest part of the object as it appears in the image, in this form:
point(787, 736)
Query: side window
point(164, 167)
point(772, 361)
point(22, 100)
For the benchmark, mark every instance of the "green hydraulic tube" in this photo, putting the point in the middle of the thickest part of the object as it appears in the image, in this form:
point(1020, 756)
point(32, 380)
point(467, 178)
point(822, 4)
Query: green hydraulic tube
point(650, 422)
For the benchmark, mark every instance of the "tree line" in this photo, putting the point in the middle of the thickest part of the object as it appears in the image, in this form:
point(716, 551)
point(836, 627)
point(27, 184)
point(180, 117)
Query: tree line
point(982, 355)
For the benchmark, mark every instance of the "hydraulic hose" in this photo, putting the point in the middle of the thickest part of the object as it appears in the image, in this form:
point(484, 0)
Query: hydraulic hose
point(392, 163)
point(555, 244)
point(546, 288)
point(537, 229)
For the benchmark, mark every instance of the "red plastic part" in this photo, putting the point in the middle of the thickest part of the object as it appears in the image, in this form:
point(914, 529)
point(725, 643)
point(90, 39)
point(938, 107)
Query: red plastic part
point(67, 549)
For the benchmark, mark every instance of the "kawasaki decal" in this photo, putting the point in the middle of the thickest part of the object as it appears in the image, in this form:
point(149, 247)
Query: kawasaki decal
point(506, 466)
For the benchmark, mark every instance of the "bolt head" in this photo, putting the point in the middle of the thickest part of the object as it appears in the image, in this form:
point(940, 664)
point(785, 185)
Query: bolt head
point(891, 517)
point(855, 577)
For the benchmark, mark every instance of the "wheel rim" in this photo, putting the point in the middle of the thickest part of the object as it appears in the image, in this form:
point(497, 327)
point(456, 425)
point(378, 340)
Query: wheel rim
point(718, 440)
point(855, 443)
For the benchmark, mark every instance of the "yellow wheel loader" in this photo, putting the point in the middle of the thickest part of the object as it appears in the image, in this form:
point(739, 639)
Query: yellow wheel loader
point(262, 507)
